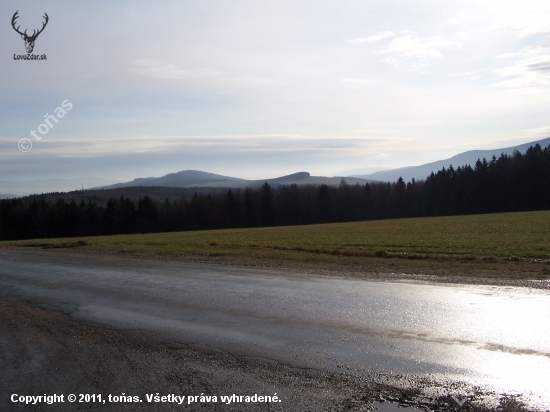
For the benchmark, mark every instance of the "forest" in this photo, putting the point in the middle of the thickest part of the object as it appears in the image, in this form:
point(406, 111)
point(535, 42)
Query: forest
point(520, 182)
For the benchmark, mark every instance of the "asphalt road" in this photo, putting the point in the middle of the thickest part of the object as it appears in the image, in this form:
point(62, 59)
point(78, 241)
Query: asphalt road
point(491, 337)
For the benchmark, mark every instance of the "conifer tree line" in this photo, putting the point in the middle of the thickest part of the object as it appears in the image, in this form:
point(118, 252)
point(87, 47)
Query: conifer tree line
point(520, 182)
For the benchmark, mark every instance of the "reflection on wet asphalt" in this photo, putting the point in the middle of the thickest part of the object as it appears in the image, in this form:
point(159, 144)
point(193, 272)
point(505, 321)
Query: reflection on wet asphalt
point(490, 336)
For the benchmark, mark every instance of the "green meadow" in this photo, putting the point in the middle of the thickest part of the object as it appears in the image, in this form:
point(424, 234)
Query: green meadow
point(495, 242)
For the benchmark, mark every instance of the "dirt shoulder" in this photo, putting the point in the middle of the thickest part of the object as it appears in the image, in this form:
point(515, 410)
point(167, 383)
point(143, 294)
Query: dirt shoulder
point(43, 353)
point(504, 274)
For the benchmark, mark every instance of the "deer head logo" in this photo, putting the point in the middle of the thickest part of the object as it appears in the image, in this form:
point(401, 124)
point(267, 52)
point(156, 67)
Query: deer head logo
point(29, 40)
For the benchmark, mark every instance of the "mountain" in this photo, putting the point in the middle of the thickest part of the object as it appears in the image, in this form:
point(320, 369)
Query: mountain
point(196, 179)
point(7, 196)
point(467, 158)
point(185, 178)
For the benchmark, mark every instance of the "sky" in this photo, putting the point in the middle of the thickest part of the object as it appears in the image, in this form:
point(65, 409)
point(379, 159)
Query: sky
point(258, 89)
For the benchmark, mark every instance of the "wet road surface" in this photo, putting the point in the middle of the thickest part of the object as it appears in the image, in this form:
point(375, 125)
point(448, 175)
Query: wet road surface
point(497, 338)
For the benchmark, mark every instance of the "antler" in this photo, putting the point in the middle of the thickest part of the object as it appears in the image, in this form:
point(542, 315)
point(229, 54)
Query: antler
point(43, 26)
point(15, 17)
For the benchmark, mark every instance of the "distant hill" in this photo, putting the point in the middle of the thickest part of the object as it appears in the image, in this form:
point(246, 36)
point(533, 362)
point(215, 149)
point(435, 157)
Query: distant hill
point(7, 196)
point(209, 184)
point(196, 179)
point(184, 178)
point(462, 159)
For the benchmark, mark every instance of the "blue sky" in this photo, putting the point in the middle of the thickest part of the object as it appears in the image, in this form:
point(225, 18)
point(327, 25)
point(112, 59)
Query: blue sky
point(260, 89)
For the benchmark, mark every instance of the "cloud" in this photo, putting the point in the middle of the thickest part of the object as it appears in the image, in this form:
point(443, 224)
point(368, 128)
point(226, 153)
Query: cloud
point(200, 145)
point(408, 47)
point(414, 47)
point(151, 68)
point(522, 18)
point(543, 67)
point(528, 17)
point(527, 69)
point(253, 156)
point(391, 60)
point(360, 81)
point(212, 68)
point(374, 38)
point(538, 132)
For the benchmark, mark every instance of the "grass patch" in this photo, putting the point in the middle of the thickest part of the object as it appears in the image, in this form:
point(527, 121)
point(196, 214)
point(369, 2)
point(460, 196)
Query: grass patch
point(495, 242)
point(381, 253)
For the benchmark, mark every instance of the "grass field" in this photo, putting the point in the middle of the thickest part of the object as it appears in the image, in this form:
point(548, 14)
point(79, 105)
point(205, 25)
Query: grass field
point(501, 242)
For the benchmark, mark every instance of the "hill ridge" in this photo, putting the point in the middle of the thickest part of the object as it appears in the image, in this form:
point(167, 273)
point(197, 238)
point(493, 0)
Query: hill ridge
point(421, 172)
